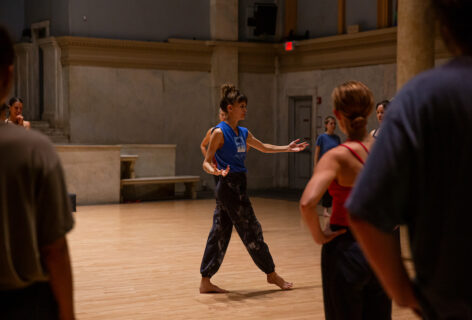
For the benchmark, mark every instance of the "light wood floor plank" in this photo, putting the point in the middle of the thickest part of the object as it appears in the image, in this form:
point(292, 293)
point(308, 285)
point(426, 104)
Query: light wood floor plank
point(141, 261)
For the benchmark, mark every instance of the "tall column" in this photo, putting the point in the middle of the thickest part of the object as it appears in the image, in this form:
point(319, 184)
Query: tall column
point(52, 85)
point(27, 79)
point(224, 30)
point(415, 39)
point(415, 53)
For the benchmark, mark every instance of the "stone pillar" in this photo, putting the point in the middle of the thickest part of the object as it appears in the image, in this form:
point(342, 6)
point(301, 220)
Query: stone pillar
point(52, 83)
point(224, 61)
point(27, 79)
point(224, 20)
point(415, 39)
point(415, 53)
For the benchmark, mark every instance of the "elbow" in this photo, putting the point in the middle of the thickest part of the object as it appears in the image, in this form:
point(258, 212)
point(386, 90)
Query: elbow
point(306, 206)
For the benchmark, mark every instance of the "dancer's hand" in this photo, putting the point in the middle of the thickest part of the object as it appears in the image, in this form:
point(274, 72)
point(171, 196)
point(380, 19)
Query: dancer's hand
point(220, 172)
point(294, 146)
point(330, 234)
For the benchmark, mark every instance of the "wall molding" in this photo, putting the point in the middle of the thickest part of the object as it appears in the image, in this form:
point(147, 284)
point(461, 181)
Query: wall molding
point(340, 51)
point(344, 51)
point(179, 55)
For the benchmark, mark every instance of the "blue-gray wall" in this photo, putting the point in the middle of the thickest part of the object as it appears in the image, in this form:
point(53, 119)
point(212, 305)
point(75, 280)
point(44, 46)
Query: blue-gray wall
point(12, 16)
point(319, 18)
point(363, 13)
point(56, 11)
point(153, 20)
point(159, 20)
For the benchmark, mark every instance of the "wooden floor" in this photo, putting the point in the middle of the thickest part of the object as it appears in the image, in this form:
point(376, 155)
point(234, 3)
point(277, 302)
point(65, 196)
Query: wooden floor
point(141, 261)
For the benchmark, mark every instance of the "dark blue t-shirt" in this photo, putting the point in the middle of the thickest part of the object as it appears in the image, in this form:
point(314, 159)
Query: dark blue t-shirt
point(419, 174)
point(233, 152)
point(326, 142)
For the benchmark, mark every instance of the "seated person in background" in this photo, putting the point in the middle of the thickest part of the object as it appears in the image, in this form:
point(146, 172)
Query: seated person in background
point(3, 112)
point(16, 113)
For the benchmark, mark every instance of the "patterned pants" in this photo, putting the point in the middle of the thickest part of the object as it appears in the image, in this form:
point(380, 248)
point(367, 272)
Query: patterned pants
point(234, 208)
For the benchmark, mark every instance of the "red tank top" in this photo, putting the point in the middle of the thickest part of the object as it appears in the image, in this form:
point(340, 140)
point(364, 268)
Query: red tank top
point(340, 195)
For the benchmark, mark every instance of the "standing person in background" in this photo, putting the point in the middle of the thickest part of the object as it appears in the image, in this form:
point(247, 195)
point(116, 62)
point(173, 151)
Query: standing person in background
point(35, 215)
point(16, 113)
point(228, 143)
point(419, 175)
point(350, 288)
point(325, 142)
point(380, 109)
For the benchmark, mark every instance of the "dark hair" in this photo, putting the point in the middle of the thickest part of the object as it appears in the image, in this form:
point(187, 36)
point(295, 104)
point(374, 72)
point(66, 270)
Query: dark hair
point(7, 55)
point(229, 95)
point(13, 100)
point(354, 101)
point(328, 119)
point(383, 103)
point(455, 22)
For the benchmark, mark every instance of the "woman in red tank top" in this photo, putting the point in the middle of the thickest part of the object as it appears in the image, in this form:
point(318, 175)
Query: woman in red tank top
point(350, 289)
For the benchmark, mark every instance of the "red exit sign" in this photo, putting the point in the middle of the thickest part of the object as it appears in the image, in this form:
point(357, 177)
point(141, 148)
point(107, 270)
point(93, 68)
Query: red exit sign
point(289, 46)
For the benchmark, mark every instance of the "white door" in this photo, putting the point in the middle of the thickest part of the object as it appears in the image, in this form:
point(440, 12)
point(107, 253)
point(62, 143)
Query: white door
point(301, 163)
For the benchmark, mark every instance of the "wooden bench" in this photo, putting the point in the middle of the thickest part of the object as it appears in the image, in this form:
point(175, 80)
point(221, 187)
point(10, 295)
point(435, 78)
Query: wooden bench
point(189, 181)
point(127, 165)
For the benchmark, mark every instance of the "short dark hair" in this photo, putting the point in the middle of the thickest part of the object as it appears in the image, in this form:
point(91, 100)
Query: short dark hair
point(15, 99)
point(455, 18)
point(383, 103)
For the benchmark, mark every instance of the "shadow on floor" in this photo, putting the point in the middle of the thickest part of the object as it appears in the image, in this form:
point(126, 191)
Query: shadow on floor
point(273, 193)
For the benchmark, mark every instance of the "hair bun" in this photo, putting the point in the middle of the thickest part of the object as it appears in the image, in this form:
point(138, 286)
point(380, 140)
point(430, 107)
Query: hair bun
point(358, 123)
point(227, 88)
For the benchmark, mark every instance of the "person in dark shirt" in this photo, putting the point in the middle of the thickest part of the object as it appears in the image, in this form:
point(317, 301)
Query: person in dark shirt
point(325, 142)
point(35, 216)
point(418, 175)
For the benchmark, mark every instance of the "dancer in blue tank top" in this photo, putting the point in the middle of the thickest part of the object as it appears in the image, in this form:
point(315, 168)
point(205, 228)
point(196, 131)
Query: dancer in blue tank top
point(228, 144)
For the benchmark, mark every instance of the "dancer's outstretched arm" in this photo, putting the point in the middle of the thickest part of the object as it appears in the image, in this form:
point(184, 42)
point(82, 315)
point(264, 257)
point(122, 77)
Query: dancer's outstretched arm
point(294, 146)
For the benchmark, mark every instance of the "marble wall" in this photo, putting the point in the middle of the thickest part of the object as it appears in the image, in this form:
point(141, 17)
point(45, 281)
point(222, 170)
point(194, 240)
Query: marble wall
point(260, 90)
point(141, 106)
point(92, 172)
point(379, 78)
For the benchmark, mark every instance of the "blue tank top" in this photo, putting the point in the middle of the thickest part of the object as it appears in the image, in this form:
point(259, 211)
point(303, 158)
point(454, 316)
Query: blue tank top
point(233, 151)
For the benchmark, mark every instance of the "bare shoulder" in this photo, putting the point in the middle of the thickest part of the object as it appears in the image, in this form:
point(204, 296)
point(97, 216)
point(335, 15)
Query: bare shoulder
point(216, 131)
point(332, 158)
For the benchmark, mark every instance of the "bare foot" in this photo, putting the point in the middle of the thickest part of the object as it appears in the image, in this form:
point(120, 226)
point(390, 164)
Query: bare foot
point(207, 287)
point(274, 278)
